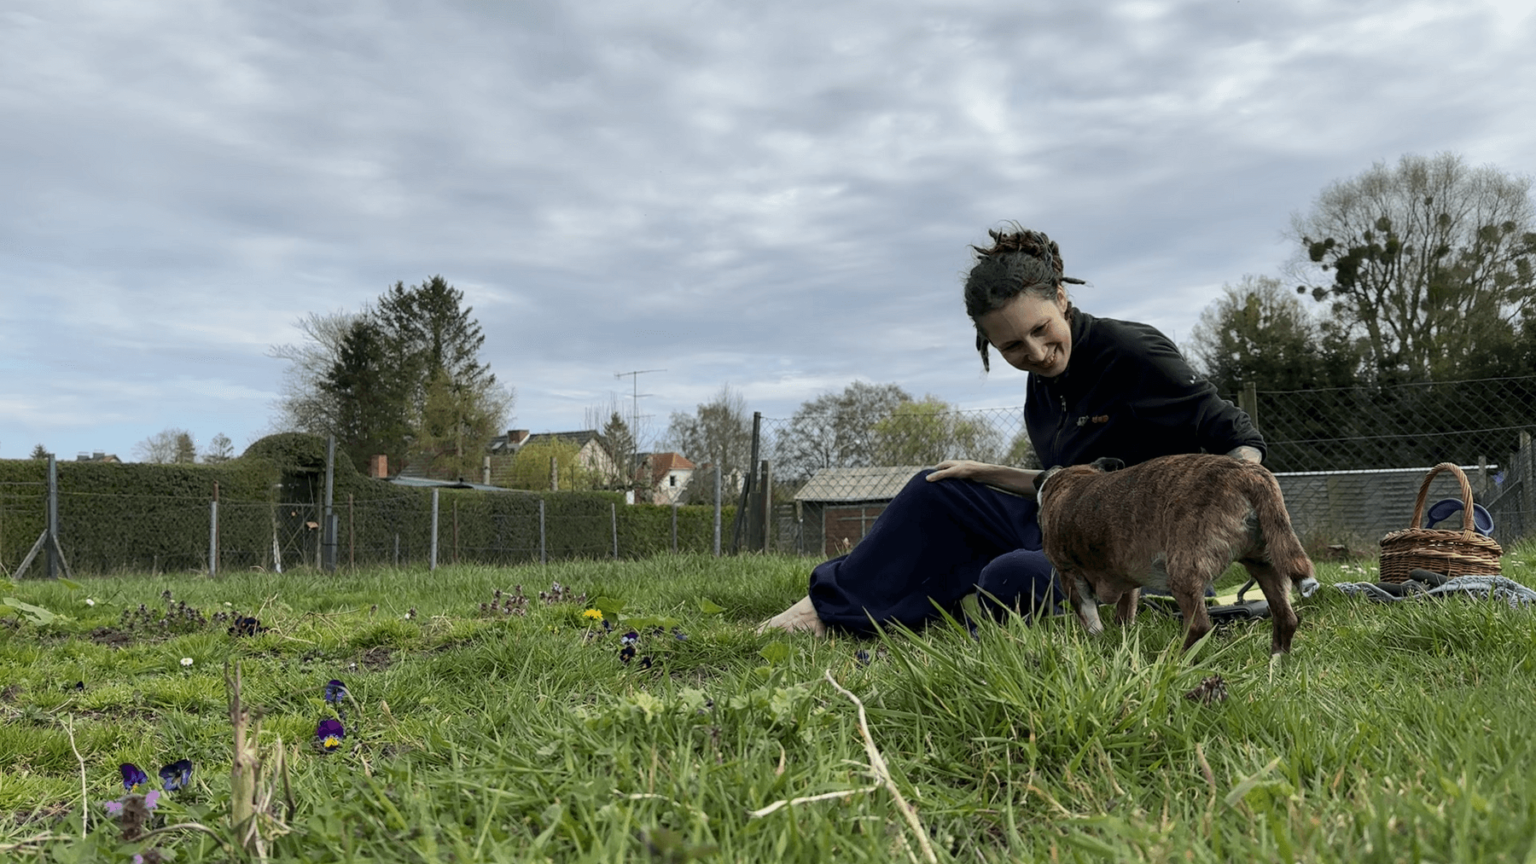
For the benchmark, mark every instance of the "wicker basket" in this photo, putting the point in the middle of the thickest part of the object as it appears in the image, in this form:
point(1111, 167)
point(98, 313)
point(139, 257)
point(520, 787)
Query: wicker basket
point(1454, 553)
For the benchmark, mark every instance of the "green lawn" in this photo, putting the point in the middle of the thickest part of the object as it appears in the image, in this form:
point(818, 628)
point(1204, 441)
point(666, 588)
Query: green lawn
point(1392, 733)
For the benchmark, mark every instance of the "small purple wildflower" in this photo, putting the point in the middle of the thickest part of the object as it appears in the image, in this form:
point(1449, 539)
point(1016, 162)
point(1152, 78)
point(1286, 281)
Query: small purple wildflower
point(679, 635)
point(176, 775)
point(329, 735)
point(630, 638)
point(335, 691)
point(114, 807)
point(627, 653)
point(132, 776)
point(152, 799)
point(861, 658)
point(645, 662)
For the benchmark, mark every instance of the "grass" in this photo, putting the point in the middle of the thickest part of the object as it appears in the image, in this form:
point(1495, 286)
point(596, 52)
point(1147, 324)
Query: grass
point(1392, 733)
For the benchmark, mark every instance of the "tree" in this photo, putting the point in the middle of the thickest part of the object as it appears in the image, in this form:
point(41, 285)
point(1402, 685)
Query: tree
point(530, 467)
point(835, 430)
point(719, 432)
point(40, 452)
point(621, 447)
point(1021, 452)
point(456, 421)
point(303, 404)
point(367, 398)
point(1258, 333)
point(1429, 261)
point(402, 378)
point(220, 450)
point(930, 431)
point(167, 447)
point(433, 343)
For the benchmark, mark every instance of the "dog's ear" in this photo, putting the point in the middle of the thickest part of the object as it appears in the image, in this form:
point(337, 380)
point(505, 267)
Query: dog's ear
point(1044, 476)
point(1108, 463)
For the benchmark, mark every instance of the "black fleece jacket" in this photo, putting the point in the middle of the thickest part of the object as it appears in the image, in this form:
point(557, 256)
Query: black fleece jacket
point(1129, 394)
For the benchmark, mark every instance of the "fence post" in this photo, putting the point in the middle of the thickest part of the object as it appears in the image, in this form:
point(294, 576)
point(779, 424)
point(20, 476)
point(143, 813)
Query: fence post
point(351, 535)
point(213, 533)
point(717, 509)
point(455, 530)
point(543, 550)
point(397, 550)
point(674, 527)
point(554, 475)
point(744, 506)
point(218, 548)
point(432, 560)
point(52, 547)
point(1527, 485)
point(328, 562)
point(614, 506)
point(767, 506)
point(1249, 402)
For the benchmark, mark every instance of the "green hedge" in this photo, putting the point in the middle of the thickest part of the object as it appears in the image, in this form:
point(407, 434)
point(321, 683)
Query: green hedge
point(138, 517)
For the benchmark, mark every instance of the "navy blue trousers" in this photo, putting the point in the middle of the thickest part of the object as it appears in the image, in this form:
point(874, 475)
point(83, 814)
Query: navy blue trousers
point(934, 544)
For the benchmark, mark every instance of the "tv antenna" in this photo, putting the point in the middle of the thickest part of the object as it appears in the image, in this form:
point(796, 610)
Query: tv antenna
point(635, 394)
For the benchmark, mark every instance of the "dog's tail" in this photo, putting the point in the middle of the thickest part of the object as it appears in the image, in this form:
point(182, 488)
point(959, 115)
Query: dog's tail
point(1280, 541)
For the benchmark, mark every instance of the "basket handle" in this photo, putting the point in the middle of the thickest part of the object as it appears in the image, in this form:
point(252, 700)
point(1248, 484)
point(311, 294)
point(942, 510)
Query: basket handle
point(1466, 497)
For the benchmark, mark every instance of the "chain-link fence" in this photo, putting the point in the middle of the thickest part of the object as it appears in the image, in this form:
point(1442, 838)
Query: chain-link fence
point(124, 532)
point(1350, 461)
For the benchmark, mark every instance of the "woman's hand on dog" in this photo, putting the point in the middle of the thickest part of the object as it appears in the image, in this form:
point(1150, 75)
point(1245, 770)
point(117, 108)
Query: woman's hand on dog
point(1015, 480)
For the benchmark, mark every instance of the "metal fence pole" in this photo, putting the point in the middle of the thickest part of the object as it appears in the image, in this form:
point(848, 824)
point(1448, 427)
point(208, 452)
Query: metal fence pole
point(213, 536)
point(717, 509)
point(216, 549)
point(1527, 485)
point(432, 560)
point(51, 549)
point(767, 506)
point(743, 507)
point(614, 505)
point(543, 556)
point(351, 534)
point(328, 561)
point(674, 527)
point(397, 550)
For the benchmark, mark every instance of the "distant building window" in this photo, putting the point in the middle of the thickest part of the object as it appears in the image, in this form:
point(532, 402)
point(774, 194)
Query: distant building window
point(672, 480)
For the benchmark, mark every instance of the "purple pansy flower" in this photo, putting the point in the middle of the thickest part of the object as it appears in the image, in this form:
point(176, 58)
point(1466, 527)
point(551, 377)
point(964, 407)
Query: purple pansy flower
point(335, 691)
point(132, 776)
point(627, 653)
point(176, 775)
point(630, 638)
point(329, 735)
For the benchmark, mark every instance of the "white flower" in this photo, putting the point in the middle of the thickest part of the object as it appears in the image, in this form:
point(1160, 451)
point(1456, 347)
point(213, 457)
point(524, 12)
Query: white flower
point(90, 602)
point(227, 603)
point(186, 661)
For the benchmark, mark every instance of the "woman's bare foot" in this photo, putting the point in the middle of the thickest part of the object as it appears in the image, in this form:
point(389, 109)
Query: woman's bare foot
point(801, 616)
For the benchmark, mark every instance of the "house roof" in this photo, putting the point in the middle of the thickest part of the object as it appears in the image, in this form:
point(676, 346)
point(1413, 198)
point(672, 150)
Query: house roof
point(427, 482)
point(664, 463)
point(856, 484)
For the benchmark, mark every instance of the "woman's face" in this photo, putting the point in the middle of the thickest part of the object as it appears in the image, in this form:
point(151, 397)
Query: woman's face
point(1032, 333)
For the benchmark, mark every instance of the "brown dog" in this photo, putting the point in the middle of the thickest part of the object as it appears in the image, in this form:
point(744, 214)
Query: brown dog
point(1173, 523)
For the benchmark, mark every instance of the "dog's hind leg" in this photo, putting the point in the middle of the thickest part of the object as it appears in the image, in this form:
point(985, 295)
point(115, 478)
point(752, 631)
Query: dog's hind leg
point(1083, 601)
point(1125, 610)
point(1276, 587)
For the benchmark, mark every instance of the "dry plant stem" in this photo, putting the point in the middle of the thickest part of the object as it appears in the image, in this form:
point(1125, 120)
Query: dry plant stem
point(244, 768)
point(85, 800)
point(883, 774)
point(188, 826)
point(825, 796)
point(32, 841)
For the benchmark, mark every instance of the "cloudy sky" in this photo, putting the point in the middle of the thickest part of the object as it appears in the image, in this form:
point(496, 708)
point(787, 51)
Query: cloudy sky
point(778, 196)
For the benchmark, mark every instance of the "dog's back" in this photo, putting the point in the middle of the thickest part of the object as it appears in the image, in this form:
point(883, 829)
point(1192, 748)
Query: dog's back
point(1173, 523)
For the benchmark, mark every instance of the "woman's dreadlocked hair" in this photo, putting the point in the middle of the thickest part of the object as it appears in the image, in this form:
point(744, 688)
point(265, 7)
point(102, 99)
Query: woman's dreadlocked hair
point(1018, 261)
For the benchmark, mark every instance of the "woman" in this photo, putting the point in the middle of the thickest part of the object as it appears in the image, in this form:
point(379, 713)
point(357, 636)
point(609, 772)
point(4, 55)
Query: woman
point(1097, 387)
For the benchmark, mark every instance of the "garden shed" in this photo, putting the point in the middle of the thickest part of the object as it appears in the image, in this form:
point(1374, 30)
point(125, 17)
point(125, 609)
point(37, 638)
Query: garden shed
point(839, 505)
